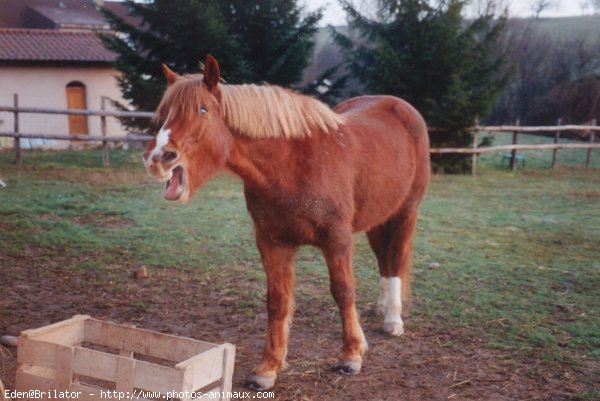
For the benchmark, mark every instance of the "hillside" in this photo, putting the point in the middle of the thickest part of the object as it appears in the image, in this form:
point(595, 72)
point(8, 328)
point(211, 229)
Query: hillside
point(570, 27)
point(326, 54)
point(557, 65)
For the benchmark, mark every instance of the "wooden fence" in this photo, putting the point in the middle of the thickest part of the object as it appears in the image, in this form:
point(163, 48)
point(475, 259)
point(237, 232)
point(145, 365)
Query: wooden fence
point(475, 150)
point(588, 130)
point(104, 137)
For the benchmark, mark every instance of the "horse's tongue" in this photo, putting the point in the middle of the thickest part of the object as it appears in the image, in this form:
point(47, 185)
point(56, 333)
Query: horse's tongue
point(173, 189)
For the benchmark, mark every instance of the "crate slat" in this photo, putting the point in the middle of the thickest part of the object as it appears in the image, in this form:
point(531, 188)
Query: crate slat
point(39, 353)
point(146, 375)
point(91, 393)
point(228, 363)
point(152, 377)
point(64, 369)
point(34, 378)
point(125, 374)
point(203, 369)
point(158, 345)
point(67, 332)
point(96, 364)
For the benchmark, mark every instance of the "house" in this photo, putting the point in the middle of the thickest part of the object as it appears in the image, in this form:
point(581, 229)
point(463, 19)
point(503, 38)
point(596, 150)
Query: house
point(51, 57)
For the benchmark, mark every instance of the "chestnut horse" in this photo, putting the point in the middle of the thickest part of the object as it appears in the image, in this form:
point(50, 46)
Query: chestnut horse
point(312, 176)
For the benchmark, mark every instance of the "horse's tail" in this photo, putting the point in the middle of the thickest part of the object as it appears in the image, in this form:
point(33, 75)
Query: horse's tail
point(406, 222)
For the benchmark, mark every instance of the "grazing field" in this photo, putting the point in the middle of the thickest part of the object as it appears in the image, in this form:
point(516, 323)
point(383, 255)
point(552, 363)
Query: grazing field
point(506, 297)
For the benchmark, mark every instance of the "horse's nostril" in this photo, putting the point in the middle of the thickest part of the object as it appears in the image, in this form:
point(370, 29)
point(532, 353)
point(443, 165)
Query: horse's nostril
point(169, 156)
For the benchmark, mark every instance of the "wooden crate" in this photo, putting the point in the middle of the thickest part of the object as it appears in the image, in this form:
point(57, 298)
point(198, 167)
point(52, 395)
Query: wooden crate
point(2, 397)
point(86, 355)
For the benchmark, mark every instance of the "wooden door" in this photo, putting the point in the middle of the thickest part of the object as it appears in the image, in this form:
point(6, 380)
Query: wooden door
point(76, 100)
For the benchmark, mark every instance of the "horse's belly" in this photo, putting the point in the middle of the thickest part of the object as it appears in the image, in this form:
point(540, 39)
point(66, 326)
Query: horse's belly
point(377, 205)
point(298, 220)
point(382, 186)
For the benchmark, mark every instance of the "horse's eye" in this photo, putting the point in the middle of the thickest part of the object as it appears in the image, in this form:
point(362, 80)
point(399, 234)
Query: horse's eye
point(202, 109)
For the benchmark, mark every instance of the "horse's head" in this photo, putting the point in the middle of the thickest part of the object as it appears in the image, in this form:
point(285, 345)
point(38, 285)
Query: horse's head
point(193, 141)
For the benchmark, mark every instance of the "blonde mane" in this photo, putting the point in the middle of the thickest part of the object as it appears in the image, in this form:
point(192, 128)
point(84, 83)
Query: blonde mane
point(255, 111)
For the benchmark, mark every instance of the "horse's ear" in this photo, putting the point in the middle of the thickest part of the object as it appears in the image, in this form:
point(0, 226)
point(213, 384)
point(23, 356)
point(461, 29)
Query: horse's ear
point(212, 73)
point(170, 75)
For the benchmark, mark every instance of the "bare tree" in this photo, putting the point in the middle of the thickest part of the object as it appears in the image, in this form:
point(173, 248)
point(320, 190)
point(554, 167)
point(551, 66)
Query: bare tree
point(595, 6)
point(539, 6)
point(477, 8)
point(542, 63)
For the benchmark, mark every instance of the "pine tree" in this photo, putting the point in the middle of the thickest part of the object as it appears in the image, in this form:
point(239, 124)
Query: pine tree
point(266, 40)
point(176, 32)
point(430, 55)
point(276, 39)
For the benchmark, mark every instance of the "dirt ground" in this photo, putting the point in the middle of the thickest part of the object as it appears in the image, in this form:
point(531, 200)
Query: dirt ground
point(423, 364)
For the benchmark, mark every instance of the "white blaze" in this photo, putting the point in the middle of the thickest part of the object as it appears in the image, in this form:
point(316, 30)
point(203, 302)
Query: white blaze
point(162, 138)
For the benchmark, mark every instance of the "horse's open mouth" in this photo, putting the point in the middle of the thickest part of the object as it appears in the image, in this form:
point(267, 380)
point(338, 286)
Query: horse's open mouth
point(175, 185)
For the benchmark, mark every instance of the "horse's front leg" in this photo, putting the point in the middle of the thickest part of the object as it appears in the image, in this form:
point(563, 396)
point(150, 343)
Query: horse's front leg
point(338, 255)
point(278, 262)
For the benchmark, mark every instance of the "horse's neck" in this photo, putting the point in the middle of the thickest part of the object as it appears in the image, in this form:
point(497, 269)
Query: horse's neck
point(245, 163)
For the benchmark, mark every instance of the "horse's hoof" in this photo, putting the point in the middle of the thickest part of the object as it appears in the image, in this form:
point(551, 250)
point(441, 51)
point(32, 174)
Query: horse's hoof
point(260, 383)
point(347, 367)
point(393, 328)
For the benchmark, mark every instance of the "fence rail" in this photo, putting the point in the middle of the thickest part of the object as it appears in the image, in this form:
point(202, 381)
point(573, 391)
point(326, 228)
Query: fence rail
point(588, 130)
point(525, 129)
point(516, 129)
point(79, 137)
point(78, 112)
point(501, 148)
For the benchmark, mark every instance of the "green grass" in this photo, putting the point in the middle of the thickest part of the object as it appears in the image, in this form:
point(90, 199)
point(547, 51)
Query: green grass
point(519, 259)
point(54, 204)
point(518, 253)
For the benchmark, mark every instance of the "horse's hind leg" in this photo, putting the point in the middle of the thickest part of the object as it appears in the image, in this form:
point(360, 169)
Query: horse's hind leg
point(379, 239)
point(279, 267)
point(338, 255)
point(402, 229)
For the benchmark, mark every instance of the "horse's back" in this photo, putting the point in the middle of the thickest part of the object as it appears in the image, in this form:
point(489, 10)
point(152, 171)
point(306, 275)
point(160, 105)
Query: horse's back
point(389, 120)
point(387, 107)
point(390, 137)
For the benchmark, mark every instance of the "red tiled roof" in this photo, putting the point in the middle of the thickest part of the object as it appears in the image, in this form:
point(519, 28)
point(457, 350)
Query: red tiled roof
point(74, 18)
point(59, 14)
point(46, 45)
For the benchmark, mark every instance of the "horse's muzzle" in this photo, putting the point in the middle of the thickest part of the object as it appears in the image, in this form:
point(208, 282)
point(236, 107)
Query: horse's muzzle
point(161, 164)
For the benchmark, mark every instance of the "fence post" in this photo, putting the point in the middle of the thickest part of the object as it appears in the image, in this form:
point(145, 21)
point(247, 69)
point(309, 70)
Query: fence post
point(474, 157)
point(588, 158)
point(556, 138)
point(17, 142)
point(105, 153)
point(513, 153)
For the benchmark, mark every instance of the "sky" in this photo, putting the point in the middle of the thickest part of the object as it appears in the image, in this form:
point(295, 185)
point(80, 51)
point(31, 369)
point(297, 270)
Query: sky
point(334, 14)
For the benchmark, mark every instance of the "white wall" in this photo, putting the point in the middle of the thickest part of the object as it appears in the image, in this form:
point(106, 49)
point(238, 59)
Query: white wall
point(45, 87)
